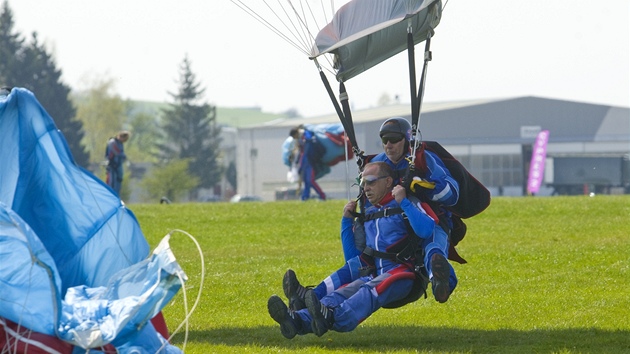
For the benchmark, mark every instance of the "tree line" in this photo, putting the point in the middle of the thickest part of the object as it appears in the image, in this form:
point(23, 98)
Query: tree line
point(181, 140)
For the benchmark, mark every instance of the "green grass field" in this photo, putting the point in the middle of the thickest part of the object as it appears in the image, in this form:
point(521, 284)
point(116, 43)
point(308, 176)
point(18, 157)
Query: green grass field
point(544, 275)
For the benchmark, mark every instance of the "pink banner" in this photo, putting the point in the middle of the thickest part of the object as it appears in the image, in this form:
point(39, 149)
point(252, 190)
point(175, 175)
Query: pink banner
point(537, 165)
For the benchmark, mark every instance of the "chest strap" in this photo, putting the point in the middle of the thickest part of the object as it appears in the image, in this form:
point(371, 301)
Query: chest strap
point(383, 213)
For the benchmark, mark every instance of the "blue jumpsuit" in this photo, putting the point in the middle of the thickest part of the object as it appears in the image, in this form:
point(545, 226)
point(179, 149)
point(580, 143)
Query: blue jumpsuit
point(446, 192)
point(392, 281)
point(307, 166)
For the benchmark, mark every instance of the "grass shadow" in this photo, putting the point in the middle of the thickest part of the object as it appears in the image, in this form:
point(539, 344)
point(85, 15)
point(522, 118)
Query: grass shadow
point(428, 339)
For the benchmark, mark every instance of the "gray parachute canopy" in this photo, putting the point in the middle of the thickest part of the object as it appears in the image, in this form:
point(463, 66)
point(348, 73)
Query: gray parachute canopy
point(364, 33)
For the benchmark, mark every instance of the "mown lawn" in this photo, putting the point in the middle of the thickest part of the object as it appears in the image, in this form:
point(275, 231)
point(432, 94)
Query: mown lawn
point(544, 275)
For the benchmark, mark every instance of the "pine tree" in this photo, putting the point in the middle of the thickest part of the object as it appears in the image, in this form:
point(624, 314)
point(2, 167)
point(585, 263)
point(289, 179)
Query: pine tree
point(10, 45)
point(191, 130)
point(44, 79)
point(30, 66)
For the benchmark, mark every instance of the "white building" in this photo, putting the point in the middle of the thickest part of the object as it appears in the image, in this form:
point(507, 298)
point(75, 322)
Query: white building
point(492, 138)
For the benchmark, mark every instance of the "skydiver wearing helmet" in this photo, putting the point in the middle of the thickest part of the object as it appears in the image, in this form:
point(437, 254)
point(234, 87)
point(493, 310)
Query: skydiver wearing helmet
point(438, 187)
point(395, 134)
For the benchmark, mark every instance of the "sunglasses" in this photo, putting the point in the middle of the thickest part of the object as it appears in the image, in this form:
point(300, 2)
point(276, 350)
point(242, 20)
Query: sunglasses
point(390, 139)
point(370, 180)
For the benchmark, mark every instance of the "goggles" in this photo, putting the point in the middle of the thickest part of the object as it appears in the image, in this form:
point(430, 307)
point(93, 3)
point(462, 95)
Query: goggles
point(370, 180)
point(391, 139)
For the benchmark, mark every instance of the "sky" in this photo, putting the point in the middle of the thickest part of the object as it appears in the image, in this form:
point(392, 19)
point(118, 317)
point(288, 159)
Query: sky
point(575, 50)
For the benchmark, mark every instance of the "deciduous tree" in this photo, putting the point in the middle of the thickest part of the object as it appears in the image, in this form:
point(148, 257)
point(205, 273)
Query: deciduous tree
point(102, 112)
point(171, 180)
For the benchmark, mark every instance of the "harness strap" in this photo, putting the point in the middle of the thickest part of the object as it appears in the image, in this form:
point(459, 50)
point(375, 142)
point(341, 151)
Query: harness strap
point(404, 256)
point(383, 213)
point(378, 254)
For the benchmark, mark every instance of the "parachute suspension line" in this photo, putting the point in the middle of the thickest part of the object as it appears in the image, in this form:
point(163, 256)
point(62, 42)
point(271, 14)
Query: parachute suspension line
point(304, 28)
point(296, 41)
point(185, 321)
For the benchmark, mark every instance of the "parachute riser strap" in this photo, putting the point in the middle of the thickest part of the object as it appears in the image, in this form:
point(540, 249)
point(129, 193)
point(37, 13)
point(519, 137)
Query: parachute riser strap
point(346, 121)
point(347, 113)
point(332, 97)
point(409, 173)
point(361, 202)
point(415, 120)
point(412, 71)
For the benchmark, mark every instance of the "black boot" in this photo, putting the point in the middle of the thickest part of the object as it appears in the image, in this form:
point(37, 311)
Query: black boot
point(440, 281)
point(294, 291)
point(280, 313)
point(322, 316)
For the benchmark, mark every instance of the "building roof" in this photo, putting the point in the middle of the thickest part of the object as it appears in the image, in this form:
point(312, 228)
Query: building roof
point(499, 121)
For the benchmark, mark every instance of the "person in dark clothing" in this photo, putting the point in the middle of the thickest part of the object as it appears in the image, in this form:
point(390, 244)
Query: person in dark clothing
point(115, 155)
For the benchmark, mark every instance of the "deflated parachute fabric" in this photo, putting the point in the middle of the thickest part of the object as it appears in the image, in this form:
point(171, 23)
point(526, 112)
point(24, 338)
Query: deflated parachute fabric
point(81, 222)
point(94, 317)
point(330, 148)
point(72, 256)
point(364, 33)
point(87, 317)
point(29, 279)
point(331, 136)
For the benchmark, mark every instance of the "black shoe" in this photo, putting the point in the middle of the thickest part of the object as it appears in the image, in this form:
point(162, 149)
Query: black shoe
point(322, 316)
point(281, 314)
point(293, 290)
point(441, 274)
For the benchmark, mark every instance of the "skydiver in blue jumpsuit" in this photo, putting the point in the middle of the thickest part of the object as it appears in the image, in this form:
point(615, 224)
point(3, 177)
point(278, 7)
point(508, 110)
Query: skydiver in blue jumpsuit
point(343, 309)
point(395, 134)
point(307, 166)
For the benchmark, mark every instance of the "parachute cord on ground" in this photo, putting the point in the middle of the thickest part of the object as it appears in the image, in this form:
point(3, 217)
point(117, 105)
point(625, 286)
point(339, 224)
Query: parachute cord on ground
point(192, 310)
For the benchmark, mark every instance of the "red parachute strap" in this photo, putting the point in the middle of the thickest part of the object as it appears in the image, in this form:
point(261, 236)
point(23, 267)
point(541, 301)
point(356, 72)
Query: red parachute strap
point(420, 161)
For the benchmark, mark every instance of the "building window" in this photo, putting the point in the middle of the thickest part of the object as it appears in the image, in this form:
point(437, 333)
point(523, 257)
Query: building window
point(495, 170)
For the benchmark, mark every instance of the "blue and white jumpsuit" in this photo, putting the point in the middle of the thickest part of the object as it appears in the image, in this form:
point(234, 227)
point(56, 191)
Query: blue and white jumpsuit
point(363, 295)
point(446, 192)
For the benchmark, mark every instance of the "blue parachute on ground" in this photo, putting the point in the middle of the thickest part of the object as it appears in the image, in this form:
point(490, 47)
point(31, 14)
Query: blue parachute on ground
point(75, 268)
point(330, 147)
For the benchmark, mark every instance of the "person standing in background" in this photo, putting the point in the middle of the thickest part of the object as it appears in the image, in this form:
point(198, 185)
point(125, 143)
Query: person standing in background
point(115, 155)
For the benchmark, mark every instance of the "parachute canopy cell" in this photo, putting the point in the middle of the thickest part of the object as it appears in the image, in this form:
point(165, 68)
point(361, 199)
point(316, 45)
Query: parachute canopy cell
point(364, 33)
point(75, 268)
